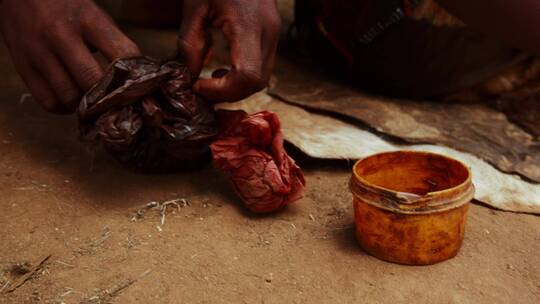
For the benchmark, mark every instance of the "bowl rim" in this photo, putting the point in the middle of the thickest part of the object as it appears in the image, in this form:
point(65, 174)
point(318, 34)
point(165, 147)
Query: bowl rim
point(464, 191)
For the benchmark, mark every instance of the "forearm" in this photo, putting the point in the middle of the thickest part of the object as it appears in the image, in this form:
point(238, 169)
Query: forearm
point(515, 22)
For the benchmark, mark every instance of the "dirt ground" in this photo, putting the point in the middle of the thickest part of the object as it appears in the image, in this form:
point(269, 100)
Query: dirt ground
point(59, 198)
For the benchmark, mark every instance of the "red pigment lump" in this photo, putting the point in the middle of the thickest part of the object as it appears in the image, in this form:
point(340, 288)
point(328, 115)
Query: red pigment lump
point(250, 151)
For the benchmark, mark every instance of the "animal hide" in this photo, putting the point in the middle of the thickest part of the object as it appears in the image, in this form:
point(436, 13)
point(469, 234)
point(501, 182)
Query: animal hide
point(472, 128)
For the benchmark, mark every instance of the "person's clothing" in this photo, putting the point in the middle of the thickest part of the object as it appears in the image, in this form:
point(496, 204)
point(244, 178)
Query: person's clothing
point(406, 48)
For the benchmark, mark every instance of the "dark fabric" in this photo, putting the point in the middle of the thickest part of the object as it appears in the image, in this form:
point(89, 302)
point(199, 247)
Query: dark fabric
point(406, 58)
point(144, 113)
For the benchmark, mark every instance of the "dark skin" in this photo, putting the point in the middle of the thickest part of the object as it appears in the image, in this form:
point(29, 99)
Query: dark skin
point(252, 29)
point(54, 58)
point(50, 42)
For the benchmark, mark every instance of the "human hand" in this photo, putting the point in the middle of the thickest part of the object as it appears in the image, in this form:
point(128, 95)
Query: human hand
point(49, 42)
point(252, 30)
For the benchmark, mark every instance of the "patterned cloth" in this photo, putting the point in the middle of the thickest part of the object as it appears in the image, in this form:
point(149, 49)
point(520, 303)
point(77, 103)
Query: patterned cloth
point(400, 48)
point(344, 23)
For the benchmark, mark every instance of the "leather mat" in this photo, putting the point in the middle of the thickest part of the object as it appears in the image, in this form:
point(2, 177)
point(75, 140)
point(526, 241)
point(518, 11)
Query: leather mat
point(473, 128)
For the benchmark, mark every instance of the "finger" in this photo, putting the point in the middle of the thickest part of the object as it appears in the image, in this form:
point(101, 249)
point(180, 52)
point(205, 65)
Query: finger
point(193, 39)
point(38, 86)
point(103, 34)
point(79, 61)
point(270, 41)
point(42, 93)
point(246, 75)
point(65, 89)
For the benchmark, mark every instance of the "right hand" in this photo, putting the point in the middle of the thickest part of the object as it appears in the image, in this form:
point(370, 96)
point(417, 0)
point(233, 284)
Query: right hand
point(49, 42)
point(252, 29)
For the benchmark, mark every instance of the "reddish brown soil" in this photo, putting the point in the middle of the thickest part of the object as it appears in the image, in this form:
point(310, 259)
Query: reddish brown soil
point(59, 198)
